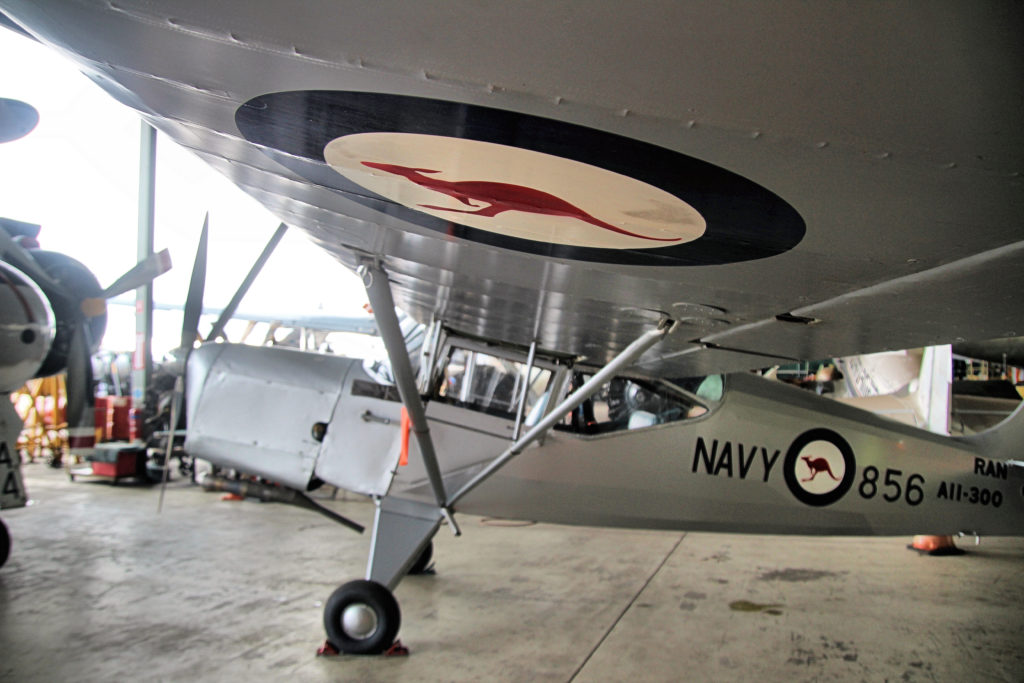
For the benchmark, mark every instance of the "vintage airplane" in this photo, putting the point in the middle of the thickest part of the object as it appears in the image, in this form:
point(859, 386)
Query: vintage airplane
point(52, 318)
point(586, 202)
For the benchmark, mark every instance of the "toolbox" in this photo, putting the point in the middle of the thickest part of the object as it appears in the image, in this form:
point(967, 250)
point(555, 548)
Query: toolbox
point(114, 460)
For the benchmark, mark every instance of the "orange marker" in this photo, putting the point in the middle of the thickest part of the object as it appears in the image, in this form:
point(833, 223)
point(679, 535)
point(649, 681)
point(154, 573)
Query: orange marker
point(403, 458)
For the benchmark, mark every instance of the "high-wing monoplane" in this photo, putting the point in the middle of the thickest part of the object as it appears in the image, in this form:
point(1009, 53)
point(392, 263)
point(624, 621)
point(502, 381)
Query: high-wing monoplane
point(589, 205)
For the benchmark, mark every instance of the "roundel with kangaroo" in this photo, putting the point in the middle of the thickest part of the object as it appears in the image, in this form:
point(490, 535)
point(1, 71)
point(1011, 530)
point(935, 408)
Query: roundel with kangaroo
point(819, 467)
point(518, 181)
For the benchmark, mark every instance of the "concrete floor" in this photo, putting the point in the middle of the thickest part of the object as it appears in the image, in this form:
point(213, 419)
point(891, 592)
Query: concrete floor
point(100, 588)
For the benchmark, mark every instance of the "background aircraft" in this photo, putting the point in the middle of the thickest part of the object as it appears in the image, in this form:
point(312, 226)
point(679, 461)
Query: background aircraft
point(671, 192)
point(54, 314)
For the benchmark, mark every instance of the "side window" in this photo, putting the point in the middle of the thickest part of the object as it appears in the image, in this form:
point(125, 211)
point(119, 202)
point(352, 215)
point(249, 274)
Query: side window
point(623, 404)
point(490, 384)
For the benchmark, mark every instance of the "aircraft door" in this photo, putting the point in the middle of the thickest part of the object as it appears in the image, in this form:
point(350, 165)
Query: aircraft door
point(361, 446)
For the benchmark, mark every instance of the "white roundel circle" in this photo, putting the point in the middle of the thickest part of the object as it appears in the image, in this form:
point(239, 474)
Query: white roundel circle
point(819, 467)
point(515, 192)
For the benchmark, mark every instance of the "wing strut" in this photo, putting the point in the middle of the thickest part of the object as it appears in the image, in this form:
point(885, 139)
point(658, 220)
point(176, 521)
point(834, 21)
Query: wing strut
point(588, 388)
point(523, 390)
point(378, 290)
point(243, 289)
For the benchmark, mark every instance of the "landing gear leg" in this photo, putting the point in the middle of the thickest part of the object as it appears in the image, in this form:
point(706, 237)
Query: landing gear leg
point(5, 543)
point(402, 528)
point(362, 617)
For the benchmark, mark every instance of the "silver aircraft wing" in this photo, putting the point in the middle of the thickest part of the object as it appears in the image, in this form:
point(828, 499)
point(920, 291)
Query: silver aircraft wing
point(786, 180)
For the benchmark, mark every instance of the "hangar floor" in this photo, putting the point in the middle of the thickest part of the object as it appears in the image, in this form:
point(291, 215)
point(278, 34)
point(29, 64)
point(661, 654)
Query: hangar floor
point(100, 588)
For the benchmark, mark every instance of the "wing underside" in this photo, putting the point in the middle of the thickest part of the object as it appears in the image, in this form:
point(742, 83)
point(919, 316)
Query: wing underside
point(786, 181)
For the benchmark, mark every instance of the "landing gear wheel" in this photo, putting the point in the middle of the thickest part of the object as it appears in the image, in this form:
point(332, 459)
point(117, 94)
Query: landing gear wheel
point(5, 543)
point(422, 562)
point(362, 618)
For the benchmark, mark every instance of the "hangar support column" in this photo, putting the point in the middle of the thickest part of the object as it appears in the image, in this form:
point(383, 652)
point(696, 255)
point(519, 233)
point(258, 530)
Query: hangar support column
point(142, 359)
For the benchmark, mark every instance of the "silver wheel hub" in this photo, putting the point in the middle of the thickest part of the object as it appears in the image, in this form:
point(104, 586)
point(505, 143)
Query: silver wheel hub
point(359, 621)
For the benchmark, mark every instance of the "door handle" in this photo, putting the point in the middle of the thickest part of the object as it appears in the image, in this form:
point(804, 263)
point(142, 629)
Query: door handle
point(370, 417)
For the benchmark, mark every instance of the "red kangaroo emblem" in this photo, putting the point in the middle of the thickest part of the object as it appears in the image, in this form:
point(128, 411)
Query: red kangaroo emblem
point(501, 197)
point(817, 465)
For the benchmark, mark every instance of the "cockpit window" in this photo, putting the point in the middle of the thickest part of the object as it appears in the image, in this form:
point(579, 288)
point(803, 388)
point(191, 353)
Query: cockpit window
point(623, 403)
point(493, 384)
point(490, 384)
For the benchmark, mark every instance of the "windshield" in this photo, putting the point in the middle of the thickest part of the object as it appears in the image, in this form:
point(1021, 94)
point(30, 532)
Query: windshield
point(636, 403)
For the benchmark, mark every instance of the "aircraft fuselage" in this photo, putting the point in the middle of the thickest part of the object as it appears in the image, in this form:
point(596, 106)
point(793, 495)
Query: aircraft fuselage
point(767, 458)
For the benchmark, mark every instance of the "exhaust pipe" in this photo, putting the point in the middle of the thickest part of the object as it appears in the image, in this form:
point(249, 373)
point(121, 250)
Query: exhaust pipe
point(276, 494)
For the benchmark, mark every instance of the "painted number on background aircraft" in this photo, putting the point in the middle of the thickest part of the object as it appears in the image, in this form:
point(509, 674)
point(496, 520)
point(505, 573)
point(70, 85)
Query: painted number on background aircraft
point(891, 485)
point(8, 480)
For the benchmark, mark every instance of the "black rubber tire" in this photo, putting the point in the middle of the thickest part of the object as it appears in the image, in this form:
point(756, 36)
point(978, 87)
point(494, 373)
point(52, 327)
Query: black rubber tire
point(376, 597)
point(5, 543)
point(422, 562)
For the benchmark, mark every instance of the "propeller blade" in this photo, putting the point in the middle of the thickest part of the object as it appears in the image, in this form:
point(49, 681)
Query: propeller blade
point(79, 376)
point(142, 274)
point(194, 300)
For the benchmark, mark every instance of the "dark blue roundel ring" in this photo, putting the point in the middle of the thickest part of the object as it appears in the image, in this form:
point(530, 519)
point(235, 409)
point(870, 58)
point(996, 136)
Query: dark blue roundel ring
point(744, 220)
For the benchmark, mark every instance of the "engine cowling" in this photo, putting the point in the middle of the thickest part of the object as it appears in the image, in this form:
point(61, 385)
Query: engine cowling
point(27, 327)
point(37, 324)
point(82, 285)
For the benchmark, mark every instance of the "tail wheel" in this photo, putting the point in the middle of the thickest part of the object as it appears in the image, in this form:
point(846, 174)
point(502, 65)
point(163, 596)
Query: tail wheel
point(362, 618)
point(422, 563)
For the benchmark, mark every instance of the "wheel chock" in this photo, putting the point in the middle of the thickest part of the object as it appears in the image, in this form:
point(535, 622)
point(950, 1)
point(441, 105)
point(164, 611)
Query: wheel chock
point(396, 650)
point(935, 545)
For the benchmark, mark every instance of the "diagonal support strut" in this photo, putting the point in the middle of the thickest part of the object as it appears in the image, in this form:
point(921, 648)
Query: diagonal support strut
point(378, 290)
point(261, 260)
point(587, 389)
